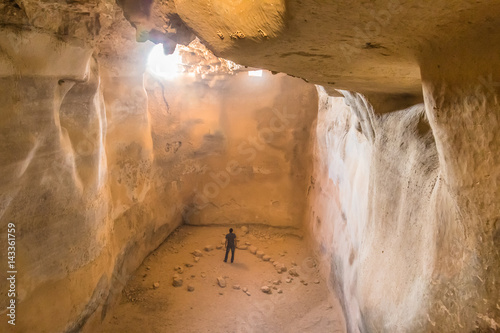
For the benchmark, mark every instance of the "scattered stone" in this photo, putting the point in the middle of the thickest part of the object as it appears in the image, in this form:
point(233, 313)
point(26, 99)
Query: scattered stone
point(248, 243)
point(218, 247)
point(259, 254)
point(288, 280)
point(242, 247)
point(244, 230)
point(280, 291)
point(221, 282)
point(294, 263)
point(266, 258)
point(179, 269)
point(266, 290)
point(197, 253)
point(190, 288)
point(252, 249)
point(245, 289)
point(221, 293)
point(282, 254)
point(304, 282)
point(156, 285)
point(293, 272)
point(248, 293)
point(316, 281)
point(236, 286)
point(148, 268)
point(188, 265)
point(209, 248)
point(281, 268)
point(196, 259)
point(177, 281)
point(276, 282)
point(203, 275)
point(275, 288)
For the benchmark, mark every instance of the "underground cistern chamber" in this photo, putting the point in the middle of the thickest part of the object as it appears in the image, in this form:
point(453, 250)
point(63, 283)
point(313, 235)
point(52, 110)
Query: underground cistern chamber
point(352, 148)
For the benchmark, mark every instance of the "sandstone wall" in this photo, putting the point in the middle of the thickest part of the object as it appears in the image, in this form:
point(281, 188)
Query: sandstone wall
point(389, 228)
point(96, 174)
point(234, 146)
point(76, 170)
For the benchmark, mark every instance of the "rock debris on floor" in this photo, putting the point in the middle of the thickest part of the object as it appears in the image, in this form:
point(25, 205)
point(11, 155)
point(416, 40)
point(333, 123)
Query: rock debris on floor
point(274, 285)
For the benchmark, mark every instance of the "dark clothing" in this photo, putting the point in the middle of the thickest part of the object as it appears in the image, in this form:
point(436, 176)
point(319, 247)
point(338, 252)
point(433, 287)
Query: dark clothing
point(230, 239)
point(227, 252)
point(231, 245)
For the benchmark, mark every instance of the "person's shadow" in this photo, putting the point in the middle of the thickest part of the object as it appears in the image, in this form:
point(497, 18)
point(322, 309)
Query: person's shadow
point(240, 266)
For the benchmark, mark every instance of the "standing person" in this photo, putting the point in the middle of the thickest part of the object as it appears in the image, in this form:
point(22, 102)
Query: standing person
point(230, 244)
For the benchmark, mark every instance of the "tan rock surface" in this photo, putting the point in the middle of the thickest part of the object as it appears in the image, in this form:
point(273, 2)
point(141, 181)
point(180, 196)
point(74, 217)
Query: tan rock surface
point(97, 170)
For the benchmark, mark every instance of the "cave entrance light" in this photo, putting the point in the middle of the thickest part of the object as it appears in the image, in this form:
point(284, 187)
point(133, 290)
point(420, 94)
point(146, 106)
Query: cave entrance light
point(165, 66)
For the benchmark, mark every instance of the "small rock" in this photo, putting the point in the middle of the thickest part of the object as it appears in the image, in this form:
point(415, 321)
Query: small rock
point(281, 268)
point(179, 269)
point(280, 291)
point(276, 282)
point(266, 258)
point(248, 293)
point(293, 272)
point(196, 259)
point(218, 247)
point(190, 288)
point(265, 289)
point(242, 247)
point(209, 248)
point(244, 230)
point(221, 282)
point(203, 275)
point(177, 281)
point(282, 254)
point(288, 280)
point(316, 281)
point(148, 268)
point(156, 285)
point(275, 288)
point(188, 265)
point(197, 253)
point(259, 254)
point(245, 289)
point(294, 263)
point(221, 293)
point(252, 249)
point(236, 286)
point(248, 243)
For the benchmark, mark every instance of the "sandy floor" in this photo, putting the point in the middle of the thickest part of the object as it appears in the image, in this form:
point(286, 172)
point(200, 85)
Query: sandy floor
point(150, 302)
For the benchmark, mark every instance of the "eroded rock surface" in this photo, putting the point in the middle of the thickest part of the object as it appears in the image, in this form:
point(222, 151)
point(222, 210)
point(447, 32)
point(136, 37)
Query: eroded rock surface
point(99, 165)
